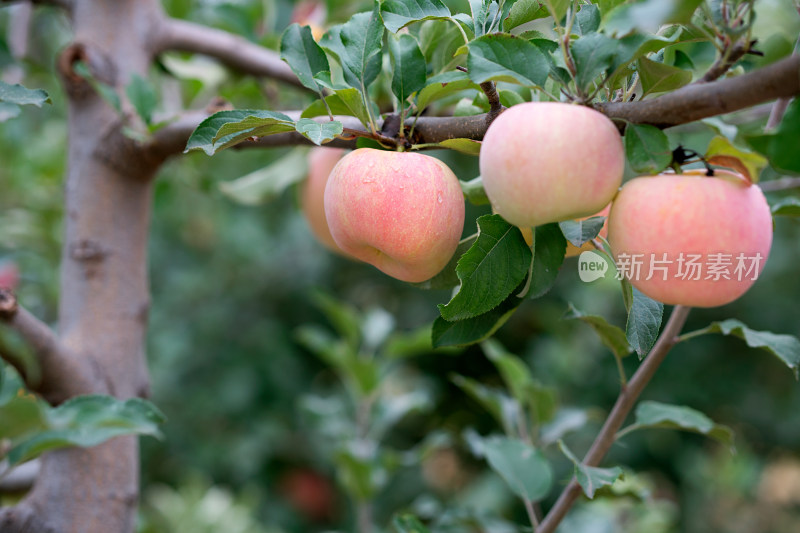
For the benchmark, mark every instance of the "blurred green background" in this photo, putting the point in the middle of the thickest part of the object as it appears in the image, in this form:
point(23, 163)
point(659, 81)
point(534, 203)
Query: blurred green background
point(248, 445)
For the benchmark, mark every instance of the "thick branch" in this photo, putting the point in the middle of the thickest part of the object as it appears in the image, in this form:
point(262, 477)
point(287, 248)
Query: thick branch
point(61, 375)
point(698, 101)
point(625, 402)
point(232, 50)
point(693, 102)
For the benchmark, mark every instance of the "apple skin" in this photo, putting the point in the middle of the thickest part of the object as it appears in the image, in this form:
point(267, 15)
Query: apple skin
point(321, 161)
point(691, 213)
point(9, 275)
point(401, 212)
point(548, 162)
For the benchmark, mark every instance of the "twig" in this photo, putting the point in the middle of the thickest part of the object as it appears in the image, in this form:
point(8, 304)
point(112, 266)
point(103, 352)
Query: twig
point(776, 114)
point(61, 375)
point(781, 184)
point(495, 107)
point(625, 402)
point(726, 60)
point(232, 50)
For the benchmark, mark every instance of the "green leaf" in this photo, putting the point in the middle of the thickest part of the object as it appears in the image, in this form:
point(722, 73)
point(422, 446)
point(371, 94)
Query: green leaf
point(578, 232)
point(400, 13)
point(497, 403)
point(8, 111)
point(344, 317)
point(88, 421)
point(722, 152)
point(447, 278)
point(648, 16)
point(342, 102)
point(439, 41)
point(523, 467)
point(304, 56)
point(444, 85)
point(268, 183)
point(612, 336)
point(503, 57)
point(465, 146)
point(647, 149)
point(549, 248)
point(587, 20)
point(227, 128)
point(319, 132)
point(19, 95)
point(662, 415)
point(781, 146)
point(142, 96)
point(408, 523)
point(408, 66)
point(787, 207)
point(591, 478)
point(490, 270)
point(476, 329)
point(784, 347)
point(644, 321)
point(357, 43)
point(108, 93)
point(593, 54)
point(524, 11)
point(658, 77)
point(474, 192)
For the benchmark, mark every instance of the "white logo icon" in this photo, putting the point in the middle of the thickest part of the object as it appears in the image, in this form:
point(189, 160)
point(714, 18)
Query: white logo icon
point(591, 266)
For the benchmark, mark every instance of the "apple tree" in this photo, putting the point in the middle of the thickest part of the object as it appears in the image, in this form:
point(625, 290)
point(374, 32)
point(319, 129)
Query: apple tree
point(555, 105)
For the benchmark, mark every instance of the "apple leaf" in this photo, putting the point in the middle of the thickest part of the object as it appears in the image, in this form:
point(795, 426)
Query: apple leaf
point(88, 421)
point(495, 401)
point(644, 321)
point(19, 95)
point(661, 415)
point(267, 183)
point(587, 20)
point(465, 146)
point(444, 85)
point(593, 55)
point(784, 347)
point(658, 78)
point(647, 149)
point(319, 132)
point(579, 232)
point(476, 329)
point(781, 146)
point(357, 44)
point(612, 336)
point(503, 57)
point(787, 207)
point(342, 102)
point(549, 248)
point(305, 57)
point(591, 478)
point(490, 270)
point(142, 96)
point(722, 152)
point(648, 16)
point(400, 13)
point(474, 192)
point(447, 277)
point(523, 467)
point(408, 66)
point(408, 523)
point(227, 128)
point(524, 11)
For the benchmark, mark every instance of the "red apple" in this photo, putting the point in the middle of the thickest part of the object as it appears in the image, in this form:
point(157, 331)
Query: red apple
point(701, 240)
point(321, 161)
point(9, 275)
point(548, 162)
point(402, 212)
point(310, 493)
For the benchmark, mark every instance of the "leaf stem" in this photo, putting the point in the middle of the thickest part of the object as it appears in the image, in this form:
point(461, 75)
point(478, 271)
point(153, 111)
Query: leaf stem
point(458, 25)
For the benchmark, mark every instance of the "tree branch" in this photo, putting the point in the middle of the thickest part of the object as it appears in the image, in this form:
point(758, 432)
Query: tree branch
point(61, 375)
point(781, 184)
point(625, 402)
point(693, 102)
point(726, 60)
point(232, 50)
point(60, 3)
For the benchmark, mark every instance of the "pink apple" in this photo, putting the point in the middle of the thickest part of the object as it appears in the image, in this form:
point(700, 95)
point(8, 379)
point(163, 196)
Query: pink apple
point(673, 222)
point(321, 161)
point(402, 212)
point(9, 275)
point(548, 162)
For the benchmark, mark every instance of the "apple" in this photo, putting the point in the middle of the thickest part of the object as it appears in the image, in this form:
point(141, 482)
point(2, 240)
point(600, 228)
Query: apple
point(9, 275)
point(310, 493)
point(321, 161)
point(548, 162)
point(702, 240)
point(402, 212)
